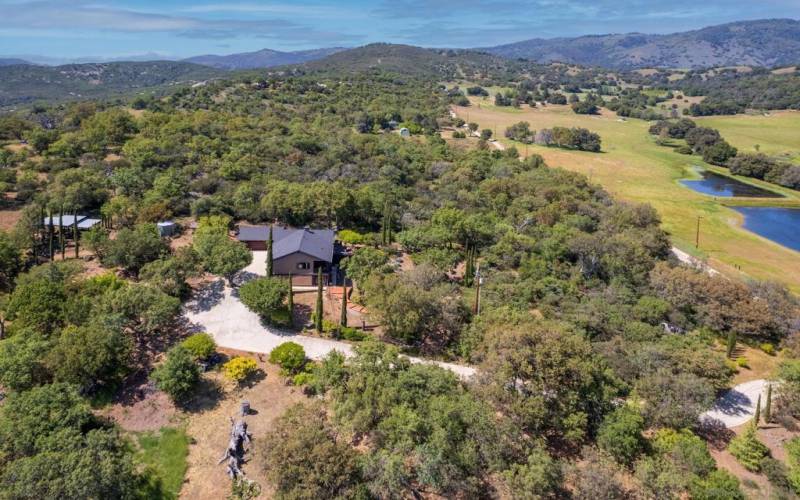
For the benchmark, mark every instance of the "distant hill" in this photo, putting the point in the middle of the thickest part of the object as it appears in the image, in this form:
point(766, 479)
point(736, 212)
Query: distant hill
point(20, 84)
point(10, 61)
point(769, 42)
point(265, 58)
point(407, 60)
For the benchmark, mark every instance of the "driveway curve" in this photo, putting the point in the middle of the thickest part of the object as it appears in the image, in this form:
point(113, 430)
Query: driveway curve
point(738, 405)
point(218, 311)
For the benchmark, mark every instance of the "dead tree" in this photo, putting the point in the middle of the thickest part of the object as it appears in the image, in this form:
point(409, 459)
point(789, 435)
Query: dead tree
point(235, 451)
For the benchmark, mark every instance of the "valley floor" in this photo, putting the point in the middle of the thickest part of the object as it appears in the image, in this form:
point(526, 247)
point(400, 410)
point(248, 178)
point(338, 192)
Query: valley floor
point(632, 167)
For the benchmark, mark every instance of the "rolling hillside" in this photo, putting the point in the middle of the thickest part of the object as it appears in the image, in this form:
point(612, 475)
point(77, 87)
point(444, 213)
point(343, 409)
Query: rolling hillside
point(265, 58)
point(21, 84)
point(769, 42)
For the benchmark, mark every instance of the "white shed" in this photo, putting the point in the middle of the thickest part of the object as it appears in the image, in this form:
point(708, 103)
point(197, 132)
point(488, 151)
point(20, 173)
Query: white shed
point(404, 132)
point(167, 228)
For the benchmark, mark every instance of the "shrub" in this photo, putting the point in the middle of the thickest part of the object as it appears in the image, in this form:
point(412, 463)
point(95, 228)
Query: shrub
point(742, 362)
point(264, 296)
point(776, 473)
point(684, 150)
point(792, 448)
point(178, 375)
point(289, 356)
point(621, 434)
point(718, 484)
point(748, 450)
point(768, 348)
point(350, 237)
point(201, 345)
point(303, 378)
point(239, 368)
point(353, 334)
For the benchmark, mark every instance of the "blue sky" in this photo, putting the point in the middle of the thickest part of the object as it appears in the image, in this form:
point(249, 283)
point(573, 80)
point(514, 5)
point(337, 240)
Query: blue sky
point(180, 28)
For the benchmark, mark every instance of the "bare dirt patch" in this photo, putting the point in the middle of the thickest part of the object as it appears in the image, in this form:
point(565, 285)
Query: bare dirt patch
point(9, 219)
point(142, 408)
point(209, 429)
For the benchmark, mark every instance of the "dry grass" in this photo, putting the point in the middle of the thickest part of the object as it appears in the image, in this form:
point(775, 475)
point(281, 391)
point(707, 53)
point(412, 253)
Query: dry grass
point(633, 168)
point(209, 429)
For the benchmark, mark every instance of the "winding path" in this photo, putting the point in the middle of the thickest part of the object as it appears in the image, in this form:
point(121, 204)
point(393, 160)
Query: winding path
point(218, 311)
point(738, 405)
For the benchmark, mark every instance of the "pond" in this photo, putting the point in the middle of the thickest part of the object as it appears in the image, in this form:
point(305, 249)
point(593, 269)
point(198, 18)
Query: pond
point(715, 184)
point(781, 225)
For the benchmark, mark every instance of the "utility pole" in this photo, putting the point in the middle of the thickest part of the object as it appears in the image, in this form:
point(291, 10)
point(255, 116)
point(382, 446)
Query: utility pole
point(697, 233)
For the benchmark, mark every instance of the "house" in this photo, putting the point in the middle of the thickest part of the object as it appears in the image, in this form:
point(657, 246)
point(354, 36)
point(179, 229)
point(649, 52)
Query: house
point(299, 252)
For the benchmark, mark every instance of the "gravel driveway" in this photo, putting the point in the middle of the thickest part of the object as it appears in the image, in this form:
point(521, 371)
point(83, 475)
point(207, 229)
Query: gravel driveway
point(738, 405)
point(218, 311)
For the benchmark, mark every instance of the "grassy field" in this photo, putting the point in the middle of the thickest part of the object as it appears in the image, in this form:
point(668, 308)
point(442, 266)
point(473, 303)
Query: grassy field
point(633, 167)
point(164, 455)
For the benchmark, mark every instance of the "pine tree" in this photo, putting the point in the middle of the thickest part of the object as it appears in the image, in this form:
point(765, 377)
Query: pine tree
point(269, 253)
point(343, 319)
point(290, 302)
point(318, 309)
point(757, 417)
point(731, 344)
point(768, 406)
point(748, 450)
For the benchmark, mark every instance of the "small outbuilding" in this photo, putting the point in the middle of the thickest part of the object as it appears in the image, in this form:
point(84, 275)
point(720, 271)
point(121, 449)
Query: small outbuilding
point(404, 132)
point(167, 228)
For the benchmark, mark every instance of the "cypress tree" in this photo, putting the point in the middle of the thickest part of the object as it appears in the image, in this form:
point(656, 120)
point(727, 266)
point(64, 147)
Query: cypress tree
point(290, 302)
point(61, 242)
point(50, 231)
point(318, 309)
point(731, 344)
point(469, 270)
point(269, 253)
point(343, 319)
point(757, 416)
point(75, 233)
point(768, 406)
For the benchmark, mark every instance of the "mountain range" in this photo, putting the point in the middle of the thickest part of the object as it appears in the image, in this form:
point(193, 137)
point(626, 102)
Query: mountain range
point(767, 42)
point(265, 58)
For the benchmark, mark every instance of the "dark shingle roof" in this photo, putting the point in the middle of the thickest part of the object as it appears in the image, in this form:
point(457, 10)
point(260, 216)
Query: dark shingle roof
point(317, 243)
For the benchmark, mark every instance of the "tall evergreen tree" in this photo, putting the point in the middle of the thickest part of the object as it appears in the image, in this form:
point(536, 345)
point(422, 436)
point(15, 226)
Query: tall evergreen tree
point(731, 344)
point(269, 252)
point(50, 232)
point(757, 416)
point(290, 302)
point(768, 406)
point(75, 233)
point(318, 309)
point(343, 319)
point(469, 270)
point(62, 244)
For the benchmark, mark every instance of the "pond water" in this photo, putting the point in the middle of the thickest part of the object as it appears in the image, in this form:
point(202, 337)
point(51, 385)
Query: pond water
point(715, 184)
point(781, 225)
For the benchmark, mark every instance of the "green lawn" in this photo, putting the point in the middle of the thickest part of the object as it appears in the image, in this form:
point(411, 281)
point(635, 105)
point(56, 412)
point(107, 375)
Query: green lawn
point(163, 453)
point(633, 167)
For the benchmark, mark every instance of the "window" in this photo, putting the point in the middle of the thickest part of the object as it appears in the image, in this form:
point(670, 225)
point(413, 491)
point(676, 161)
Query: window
point(303, 265)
